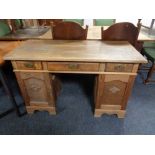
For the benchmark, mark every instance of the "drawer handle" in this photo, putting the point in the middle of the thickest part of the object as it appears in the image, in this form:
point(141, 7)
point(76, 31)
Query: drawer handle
point(29, 65)
point(119, 68)
point(73, 66)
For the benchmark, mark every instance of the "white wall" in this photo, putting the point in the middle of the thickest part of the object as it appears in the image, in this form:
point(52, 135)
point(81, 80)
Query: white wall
point(88, 22)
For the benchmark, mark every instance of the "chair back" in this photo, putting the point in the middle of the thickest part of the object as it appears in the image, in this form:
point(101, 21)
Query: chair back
point(4, 29)
point(69, 31)
point(16, 24)
point(123, 31)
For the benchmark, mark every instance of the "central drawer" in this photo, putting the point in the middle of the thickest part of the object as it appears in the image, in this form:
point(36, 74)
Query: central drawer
point(72, 66)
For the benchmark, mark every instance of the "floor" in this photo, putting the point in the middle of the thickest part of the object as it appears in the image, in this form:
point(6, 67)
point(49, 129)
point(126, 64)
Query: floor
point(75, 112)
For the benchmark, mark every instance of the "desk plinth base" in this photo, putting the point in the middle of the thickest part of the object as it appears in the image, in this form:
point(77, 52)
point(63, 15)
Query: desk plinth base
point(119, 113)
point(31, 109)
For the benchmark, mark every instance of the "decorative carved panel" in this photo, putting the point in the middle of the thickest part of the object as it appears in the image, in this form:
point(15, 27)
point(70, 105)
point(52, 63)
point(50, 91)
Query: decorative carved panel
point(110, 90)
point(113, 92)
point(36, 88)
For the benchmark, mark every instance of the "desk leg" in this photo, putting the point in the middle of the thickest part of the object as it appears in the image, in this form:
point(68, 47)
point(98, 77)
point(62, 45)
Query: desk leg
point(9, 93)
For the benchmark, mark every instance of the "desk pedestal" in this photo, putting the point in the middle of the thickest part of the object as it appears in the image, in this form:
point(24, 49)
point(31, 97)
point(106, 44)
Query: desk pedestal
point(112, 93)
point(38, 91)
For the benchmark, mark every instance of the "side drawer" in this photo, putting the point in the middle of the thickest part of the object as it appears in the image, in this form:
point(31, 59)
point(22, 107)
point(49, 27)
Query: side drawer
point(72, 66)
point(118, 67)
point(29, 65)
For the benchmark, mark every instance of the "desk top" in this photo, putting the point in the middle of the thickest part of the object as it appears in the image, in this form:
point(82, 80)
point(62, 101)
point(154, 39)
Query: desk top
point(6, 47)
point(83, 51)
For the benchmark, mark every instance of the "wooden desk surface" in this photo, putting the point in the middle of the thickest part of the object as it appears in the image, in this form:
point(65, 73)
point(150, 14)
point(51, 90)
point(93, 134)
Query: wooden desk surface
point(83, 51)
point(6, 47)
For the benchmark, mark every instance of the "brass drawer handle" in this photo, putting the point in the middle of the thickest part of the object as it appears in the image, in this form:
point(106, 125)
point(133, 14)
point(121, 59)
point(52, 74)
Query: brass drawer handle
point(73, 66)
point(29, 65)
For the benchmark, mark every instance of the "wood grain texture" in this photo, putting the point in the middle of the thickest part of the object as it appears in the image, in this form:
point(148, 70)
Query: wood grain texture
point(36, 89)
point(116, 64)
point(117, 67)
point(111, 107)
point(69, 31)
point(77, 72)
point(135, 68)
point(111, 94)
point(127, 92)
point(28, 65)
point(100, 112)
point(123, 31)
point(72, 66)
point(83, 51)
point(98, 90)
point(102, 67)
point(112, 88)
point(32, 109)
point(6, 47)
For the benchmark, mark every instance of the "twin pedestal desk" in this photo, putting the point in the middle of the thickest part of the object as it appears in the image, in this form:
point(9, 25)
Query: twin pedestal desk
point(114, 65)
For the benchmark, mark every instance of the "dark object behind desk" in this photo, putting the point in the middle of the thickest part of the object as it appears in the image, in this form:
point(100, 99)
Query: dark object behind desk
point(25, 34)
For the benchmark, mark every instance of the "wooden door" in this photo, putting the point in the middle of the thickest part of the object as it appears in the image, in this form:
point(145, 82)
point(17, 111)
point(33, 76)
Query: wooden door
point(112, 91)
point(36, 88)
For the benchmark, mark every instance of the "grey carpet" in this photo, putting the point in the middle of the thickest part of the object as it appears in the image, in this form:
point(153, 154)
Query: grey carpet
point(75, 112)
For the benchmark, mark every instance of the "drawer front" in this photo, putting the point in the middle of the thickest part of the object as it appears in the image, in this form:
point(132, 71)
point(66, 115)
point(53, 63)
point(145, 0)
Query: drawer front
point(29, 65)
point(116, 67)
point(71, 66)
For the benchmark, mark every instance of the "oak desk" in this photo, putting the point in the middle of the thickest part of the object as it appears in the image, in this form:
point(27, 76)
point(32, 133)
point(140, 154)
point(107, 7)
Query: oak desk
point(114, 64)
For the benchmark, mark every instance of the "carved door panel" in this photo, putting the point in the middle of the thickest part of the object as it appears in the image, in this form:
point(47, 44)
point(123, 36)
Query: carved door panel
point(111, 90)
point(37, 89)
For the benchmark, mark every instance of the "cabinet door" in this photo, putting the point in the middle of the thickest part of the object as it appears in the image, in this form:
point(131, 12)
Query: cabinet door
point(36, 88)
point(112, 91)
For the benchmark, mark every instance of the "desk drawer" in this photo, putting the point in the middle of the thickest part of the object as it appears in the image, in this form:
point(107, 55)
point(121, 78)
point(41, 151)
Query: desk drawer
point(72, 66)
point(29, 65)
point(117, 67)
